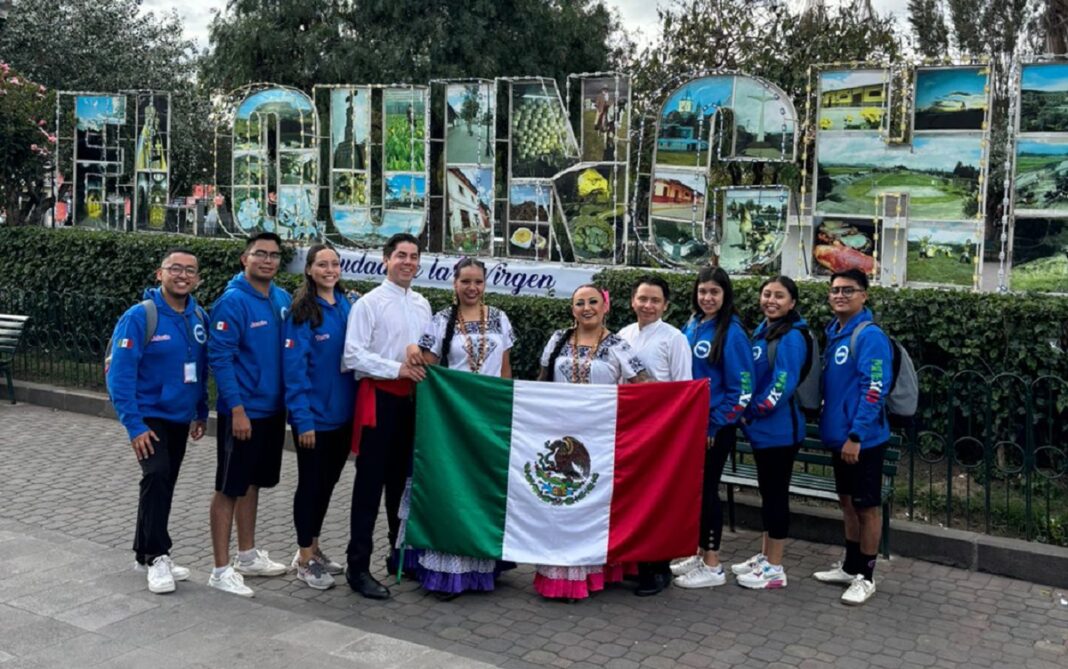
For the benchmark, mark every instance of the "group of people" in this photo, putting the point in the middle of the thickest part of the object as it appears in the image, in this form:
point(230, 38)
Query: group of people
point(341, 371)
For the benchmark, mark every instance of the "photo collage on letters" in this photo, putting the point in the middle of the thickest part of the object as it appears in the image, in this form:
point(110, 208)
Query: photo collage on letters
point(934, 182)
point(470, 157)
point(1039, 240)
point(151, 161)
point(99, 160)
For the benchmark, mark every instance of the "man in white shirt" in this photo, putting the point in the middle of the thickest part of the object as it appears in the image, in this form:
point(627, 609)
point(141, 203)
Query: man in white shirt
point(667, 357)
point(381, 327)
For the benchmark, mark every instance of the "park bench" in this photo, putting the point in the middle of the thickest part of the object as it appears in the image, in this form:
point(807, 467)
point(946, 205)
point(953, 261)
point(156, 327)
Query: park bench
point(11, 328)
point(813, 475)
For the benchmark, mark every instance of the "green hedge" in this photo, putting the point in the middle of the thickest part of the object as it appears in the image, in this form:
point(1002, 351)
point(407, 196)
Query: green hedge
point(955, 330)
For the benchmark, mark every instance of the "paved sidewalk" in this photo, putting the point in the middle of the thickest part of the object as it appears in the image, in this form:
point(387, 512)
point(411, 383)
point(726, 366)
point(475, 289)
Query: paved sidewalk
point(68, 598)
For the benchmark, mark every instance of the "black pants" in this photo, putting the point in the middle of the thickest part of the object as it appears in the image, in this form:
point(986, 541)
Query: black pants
point(775, 466)
point(711, 506)
point(159, 473)
point(318, 470)
point(383, 463)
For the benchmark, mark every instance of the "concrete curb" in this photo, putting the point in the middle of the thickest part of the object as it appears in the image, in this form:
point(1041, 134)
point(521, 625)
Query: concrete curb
point(1015, 558)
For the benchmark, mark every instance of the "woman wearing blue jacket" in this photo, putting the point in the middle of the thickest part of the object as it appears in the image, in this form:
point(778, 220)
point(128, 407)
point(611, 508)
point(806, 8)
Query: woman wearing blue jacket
point(721, 354)
point(774, 424)
point(320, 398)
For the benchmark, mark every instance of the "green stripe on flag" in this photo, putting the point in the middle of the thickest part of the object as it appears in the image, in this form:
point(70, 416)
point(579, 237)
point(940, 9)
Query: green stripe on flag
point(460, 472)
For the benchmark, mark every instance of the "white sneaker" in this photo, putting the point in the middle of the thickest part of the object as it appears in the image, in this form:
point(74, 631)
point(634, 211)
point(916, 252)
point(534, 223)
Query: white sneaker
point(702, 577)
point(686, 565)
point(315, 575)
point(160, 579)
point(750, 565)
point(764, 577)
point(230, 581)
point(261, 565)
point(179, 573)
point(834, 575)
point(859, 591)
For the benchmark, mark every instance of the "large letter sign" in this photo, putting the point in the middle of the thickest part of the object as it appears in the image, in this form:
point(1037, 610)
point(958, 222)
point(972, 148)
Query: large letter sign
point(275, 164)
point(710, 120)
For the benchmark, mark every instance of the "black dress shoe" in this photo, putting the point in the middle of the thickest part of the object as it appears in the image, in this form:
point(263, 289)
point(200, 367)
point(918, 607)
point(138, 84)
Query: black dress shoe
point(365, 584)
point(652, 585)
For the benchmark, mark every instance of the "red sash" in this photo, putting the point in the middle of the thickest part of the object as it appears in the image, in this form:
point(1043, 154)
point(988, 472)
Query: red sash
point(366, 412)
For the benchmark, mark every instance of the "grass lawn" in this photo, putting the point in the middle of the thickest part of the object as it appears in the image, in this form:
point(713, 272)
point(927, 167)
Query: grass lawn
point(931, 197)
point(1048, 275)
point(940, 269)
point(683, 158)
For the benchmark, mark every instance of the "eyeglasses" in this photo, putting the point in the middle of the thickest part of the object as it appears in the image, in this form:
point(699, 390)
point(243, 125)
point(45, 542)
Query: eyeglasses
point(178, 270)
point(845, 291)
point(265, 255)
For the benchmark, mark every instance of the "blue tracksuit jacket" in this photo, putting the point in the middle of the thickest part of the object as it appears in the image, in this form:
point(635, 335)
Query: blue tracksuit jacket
point(149, 381)
point(731, 381)
point(855, 384)
point(319, 396)
point(245, 348)
point(773, 418)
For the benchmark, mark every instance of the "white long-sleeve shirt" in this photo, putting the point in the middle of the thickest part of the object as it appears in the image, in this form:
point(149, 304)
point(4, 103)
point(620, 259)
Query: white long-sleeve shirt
point(664, 350)
point(382, 324)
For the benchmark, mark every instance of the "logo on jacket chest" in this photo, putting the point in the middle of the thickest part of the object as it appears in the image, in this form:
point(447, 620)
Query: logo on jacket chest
point(757, 352)
point(322, 337)
point(257, 324)
point(702, 348)
point(160, 337)
point(200, 334)
point(841, 354)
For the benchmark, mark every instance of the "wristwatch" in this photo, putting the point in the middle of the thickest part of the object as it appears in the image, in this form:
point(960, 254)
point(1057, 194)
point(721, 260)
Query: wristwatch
point(853, 436)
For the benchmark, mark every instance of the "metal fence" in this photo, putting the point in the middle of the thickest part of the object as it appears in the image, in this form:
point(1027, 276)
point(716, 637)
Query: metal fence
point(987, 453)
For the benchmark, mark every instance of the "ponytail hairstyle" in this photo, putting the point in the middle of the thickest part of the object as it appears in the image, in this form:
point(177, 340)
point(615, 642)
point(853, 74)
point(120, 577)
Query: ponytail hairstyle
point(305, 308)
point(450, 325)
point(779, 328)
point(727, 310)
point(562, 341)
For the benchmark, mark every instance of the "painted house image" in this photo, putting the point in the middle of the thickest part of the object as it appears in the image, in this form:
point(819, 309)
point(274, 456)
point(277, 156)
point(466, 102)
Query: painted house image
point(466, 210)
point(673, 191)
point(873, 95)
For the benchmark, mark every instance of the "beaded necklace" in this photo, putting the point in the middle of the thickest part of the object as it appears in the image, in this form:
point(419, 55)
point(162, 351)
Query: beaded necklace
point(580, 373)
point(474, 361)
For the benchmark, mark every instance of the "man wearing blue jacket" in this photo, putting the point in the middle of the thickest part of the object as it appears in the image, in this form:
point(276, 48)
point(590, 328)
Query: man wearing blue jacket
point(853, 423)
point(157, 380)
point(245, 353)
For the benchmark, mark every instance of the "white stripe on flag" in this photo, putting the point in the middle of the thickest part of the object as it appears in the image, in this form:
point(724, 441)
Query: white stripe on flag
point(536, 531)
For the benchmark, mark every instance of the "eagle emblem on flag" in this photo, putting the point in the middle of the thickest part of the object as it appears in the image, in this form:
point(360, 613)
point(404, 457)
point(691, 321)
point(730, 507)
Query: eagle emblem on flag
point(562, 473)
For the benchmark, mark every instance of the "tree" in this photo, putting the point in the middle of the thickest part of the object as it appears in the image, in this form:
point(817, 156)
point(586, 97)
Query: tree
point(929, 26)
point(304, 42)
point(25, 107)
point(109, 46)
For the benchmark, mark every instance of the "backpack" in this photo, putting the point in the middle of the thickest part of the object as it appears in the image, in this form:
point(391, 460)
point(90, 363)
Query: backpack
point(151, 321)
point(807, 393)
point(904, 392)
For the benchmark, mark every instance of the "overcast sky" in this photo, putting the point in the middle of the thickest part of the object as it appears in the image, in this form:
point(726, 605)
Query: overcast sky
point(638, 15)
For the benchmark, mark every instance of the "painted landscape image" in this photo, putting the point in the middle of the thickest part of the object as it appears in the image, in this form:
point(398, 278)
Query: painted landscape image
point(679, 194)
point(940, 175)
point(1041, 177)
point(754, 228)
point(1040, 256)
point(683, 133)
point(605, 119)
point(405, 191)
point(844, 243)
point(763, 121)
point(951, 98)
point(942, 252)
point(1044, 98)
point(469, 133)
point(852, 99)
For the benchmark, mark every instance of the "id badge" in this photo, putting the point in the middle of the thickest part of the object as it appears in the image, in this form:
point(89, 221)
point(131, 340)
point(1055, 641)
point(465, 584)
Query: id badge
point(190, 372)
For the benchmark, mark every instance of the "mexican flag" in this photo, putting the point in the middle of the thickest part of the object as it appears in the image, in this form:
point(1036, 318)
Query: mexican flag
point(554, 473)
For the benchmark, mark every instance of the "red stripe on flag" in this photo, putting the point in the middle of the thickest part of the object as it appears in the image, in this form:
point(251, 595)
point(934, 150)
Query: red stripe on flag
point(661, 432)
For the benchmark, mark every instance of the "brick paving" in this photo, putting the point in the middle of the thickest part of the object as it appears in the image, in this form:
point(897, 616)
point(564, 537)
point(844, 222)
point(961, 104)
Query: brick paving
point(74, 476)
